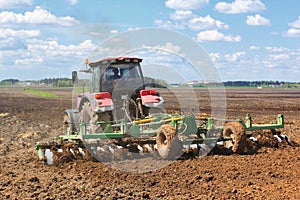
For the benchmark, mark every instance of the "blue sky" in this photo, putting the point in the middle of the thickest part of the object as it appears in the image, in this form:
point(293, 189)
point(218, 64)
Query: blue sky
point(246, 39)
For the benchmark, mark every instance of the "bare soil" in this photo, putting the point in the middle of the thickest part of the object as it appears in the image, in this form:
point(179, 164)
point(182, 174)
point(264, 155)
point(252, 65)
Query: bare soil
point(271, 171)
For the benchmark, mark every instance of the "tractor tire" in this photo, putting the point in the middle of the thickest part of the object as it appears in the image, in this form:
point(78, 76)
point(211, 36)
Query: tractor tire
point(237, 133)
point(68, 127)
point(88, 116)
point(106, 117)
point(167, 142)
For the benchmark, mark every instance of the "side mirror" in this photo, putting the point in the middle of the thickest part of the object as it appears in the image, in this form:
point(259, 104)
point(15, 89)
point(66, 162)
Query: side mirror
point(74, 77)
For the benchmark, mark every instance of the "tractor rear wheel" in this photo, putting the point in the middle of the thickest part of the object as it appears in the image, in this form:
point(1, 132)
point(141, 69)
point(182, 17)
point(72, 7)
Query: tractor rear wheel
point(237, 133)
point(168, 145)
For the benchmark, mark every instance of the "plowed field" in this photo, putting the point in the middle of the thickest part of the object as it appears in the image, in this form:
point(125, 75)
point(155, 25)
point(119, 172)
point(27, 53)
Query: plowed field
point(272, 171)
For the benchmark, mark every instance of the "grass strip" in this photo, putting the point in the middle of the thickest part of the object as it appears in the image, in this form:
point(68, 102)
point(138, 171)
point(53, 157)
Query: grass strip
point(40, 93)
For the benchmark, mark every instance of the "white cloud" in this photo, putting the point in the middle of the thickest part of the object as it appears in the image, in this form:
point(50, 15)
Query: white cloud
point(278, 61)
point(276, 49)
point(73, 2)
point(162, 23)
point(38, 16)
point(186, 19)
point(295, 30)
point(27, 61)
point(279, 56)
point(171, 47)
point(168, 46)
point(53, 48)
point(46, 51)
point(257, 20)
point(295, 24)
point(94, 33)
point(206, 22)
point(169, 24)
point(230, 57)
point(253, 47)
point(114, 31)
point(7, 33)
point(215, 35)
point(181, 15)
point(133, 28)
point(4, 4)
point(186, 4)
point(235, 56)
point(7, 43)
point(214, 56)
point(240, 6)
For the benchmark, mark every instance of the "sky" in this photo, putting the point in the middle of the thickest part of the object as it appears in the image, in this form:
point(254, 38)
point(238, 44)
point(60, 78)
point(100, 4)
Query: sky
point(245, 39)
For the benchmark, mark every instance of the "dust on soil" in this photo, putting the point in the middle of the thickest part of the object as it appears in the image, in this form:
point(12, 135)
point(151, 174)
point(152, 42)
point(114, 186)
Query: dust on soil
point(270, 171)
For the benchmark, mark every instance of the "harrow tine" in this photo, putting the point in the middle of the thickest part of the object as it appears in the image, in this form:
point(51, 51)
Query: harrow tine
point(49, 157)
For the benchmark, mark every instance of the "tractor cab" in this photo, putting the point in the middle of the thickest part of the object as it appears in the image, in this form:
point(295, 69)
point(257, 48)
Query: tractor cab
point(116, 74)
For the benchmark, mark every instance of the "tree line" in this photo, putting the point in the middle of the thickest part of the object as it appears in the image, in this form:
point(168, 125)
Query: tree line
point(283, 84)
point(55, 82)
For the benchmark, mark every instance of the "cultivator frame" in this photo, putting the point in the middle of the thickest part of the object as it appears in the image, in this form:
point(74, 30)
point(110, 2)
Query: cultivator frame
point(189, 130)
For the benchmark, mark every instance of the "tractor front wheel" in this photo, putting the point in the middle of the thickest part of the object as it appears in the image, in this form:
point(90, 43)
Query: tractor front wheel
point(68, 127)
point(88, 117)
point(168, 145)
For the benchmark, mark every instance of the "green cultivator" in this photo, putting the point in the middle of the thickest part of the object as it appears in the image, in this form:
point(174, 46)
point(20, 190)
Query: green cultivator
point(166, 136)
point(116, 117)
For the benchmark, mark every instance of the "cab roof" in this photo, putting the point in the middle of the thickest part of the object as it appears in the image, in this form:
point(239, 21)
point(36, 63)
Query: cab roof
point(116, 60)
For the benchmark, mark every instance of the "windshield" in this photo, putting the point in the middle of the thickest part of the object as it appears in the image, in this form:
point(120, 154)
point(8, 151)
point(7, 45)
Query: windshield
point(128, 75)
point(122, 71)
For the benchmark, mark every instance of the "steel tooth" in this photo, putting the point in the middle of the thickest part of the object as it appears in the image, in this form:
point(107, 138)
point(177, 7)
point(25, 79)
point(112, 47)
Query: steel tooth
point(98, 152)
point(140, 149)
point(111, 150)
point(72, 152)
point(58, 153)
point(103, 153)
point(49, 157)
point(64, 152)
point(81, 151)
point(100, 149)
point(148, 148)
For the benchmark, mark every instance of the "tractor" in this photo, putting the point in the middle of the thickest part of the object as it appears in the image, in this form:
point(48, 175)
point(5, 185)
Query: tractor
point(116, 107)
point(116, 91)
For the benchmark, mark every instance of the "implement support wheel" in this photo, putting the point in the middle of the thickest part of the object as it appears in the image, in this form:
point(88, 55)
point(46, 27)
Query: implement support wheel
point(168, 145)
point(237, 133)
